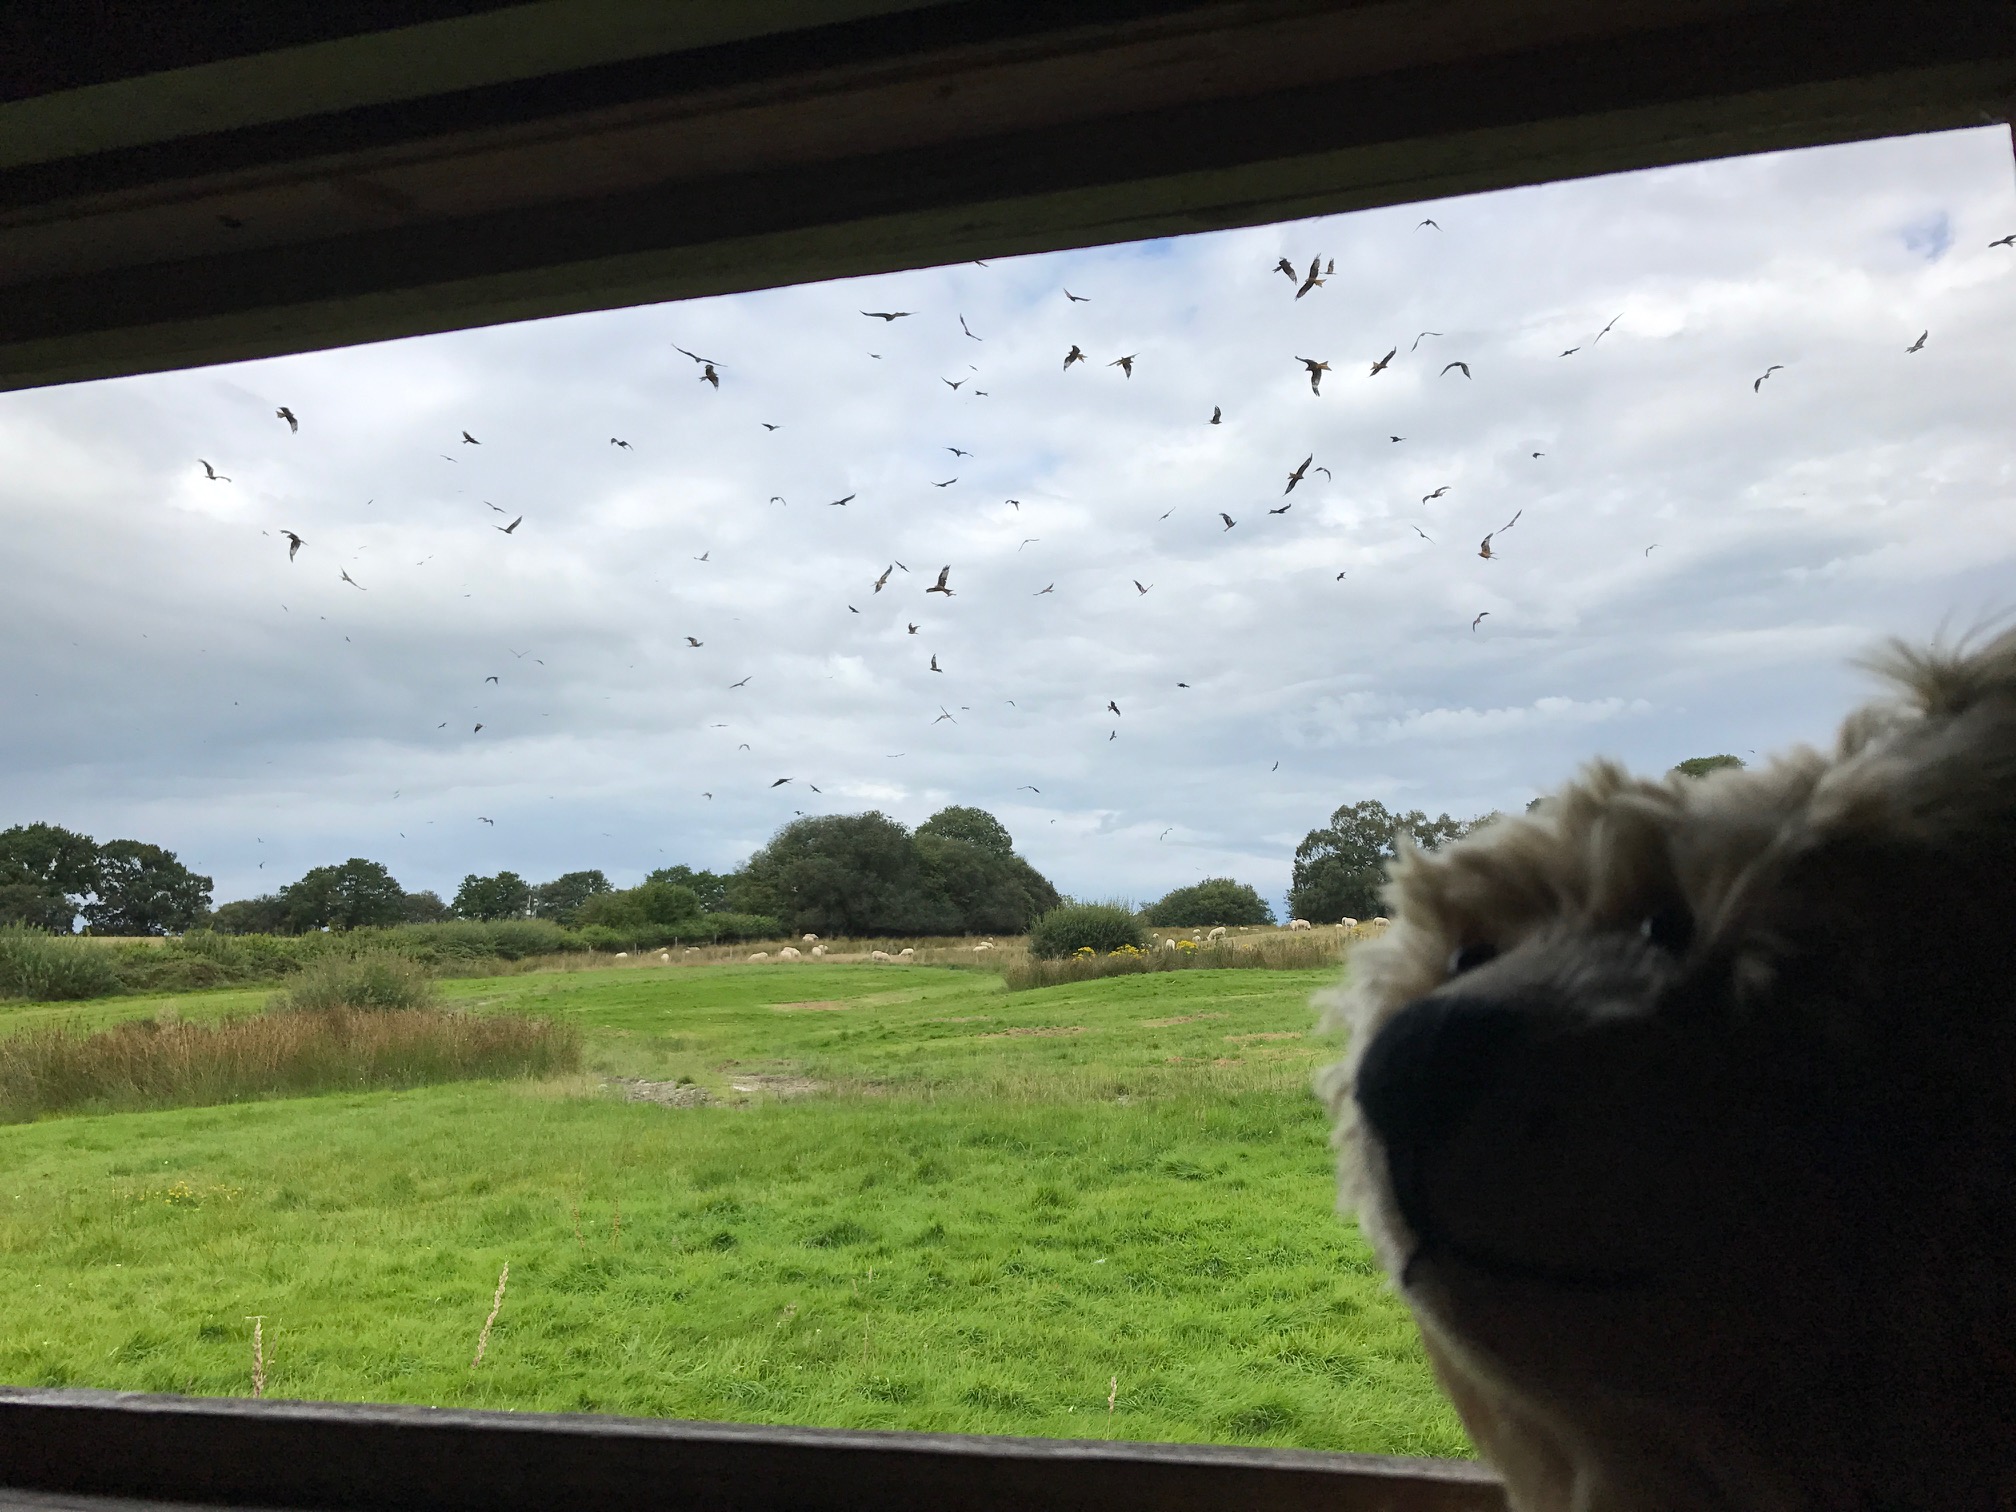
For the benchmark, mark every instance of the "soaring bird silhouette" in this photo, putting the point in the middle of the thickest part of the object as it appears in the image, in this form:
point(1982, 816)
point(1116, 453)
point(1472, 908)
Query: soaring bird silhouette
point(1484, 549)
point(1125, 364)
point(294, 544)
point(2004, 241)
point(1463, 365)
point(780, 782)
point(954, 386)
point(692, 642)
point(1301, 471)
point(742, 684)
point(1426, 223)
point(491, 678)
point(1417, 340)
point(946, 484)
point(1041, 591)
point(708, 375)
point(1229, 521)
point(1479, 620)
point(1077, 298)
point(1113, 706)
point(968, 329)
point(1380, 366)
point(1316, 372)
point(1074, 355)
point(353, 582)
point(939, 586)
point(293, 425)
point(1141, 588)
point(934, 663)
point(1284, 508)
point(1919, 344)
point(1287, 270)
point(839, 503)
point(1759, 384)
point(882, 580)
point(1435, 495)
point(624, 444)
point(507, 529)
point(1606, 330)
point(957, 452)
point(469, 440)
point(913, 628)
point(887, 314)
point(1217, 415)
point(1313, 281)
point(212, 474)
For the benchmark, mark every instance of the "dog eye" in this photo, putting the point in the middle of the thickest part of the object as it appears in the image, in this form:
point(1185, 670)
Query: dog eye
point(1671, 929)
point(1470, 957)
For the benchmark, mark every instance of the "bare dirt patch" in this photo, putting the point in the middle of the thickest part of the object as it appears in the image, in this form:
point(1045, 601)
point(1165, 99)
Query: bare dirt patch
point(824, 1005)
point(1045, 1031)
point(1181, 1018)
point(665, 1094)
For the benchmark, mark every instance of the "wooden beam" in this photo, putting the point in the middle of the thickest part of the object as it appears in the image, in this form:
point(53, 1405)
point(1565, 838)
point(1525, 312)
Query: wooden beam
point(928, 136)
point(305, 1454)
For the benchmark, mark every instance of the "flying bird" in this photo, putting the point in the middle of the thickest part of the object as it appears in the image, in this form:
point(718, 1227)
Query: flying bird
point(957, 452)
point(1141, 590)
point(939, 586)
point(887, 314)
point(703, 361)
point(1299, 473)
point(1074, 355)
point(934, 663)
point(1427, 223)
point(1217, 415)
point(1113, 706)
point(1125, 364)
point(212, 474)
point(469, 440)
point(498, 507)
point(946, 484)
point(1435, 495)
point(704, 555)
point(1480, 619)
point(2004, 241)
point(768, 426)
point(1339, 578)
point(1484, 548)
point(1229, 521)
point(1380, 366)
point(1919, 344)
point(780, 782)
point(838, 503)
point(882, 580)
point(1041, 591)
point(353, 582)
point(1316, 372)
point(1028, 788)
point(507, 529)
point(1077, 298)
point(1396, 438)
point(852, 610)
point(1283, 509)
point(954, 386)
point(1606, 330)
point(692, 642)
point(742, 684)
point(294, 543)
point(1463, 365)
point(968, 329)
point(1030, 541)
point(613, 441)
point(491, 822)
point(1417, 339)
point(477, 730)
point(1759, 384)
point(1571, 351)
point(1422, 533)
point(287, 414)
point(1312, 281)
point(708, 375)
point(491, 678)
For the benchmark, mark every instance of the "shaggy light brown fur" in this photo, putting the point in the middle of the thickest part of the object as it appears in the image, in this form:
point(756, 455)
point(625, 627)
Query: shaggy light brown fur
point(1684, 1114)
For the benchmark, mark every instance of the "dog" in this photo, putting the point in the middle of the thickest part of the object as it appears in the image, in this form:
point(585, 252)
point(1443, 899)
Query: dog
point(1683, 1114)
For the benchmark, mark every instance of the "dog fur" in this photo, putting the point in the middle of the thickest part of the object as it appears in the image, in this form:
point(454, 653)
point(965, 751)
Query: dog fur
point(1684, 1114)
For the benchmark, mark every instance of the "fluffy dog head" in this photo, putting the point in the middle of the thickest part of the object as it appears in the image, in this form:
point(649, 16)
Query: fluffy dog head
point(1684, 1113)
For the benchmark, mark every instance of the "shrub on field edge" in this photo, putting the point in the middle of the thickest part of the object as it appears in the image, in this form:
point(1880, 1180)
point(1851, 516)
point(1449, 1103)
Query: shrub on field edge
point(53, 968)
point(375, 982)
point(1101, 927)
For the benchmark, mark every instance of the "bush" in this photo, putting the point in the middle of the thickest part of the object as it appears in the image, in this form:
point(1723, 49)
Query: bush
point(1215, 900)
point(51, 968)
point(1282, 952)
point(145, 1064)
point(374, 982)
point(1099, 927)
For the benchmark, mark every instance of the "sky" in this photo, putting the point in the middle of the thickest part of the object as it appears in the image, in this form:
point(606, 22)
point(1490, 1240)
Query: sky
point(1684, 561)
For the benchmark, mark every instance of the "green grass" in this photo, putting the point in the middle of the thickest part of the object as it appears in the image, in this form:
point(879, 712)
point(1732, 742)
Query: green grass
point(971, 1229)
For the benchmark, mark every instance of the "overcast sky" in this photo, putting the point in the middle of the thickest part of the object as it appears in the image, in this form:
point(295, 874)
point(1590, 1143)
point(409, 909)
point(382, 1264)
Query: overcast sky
point(1694, 562)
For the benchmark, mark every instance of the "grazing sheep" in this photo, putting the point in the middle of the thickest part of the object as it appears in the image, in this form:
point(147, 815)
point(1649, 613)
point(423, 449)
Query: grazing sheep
point(808, 939)
point(622, 955)
point(1294, 924)
point(1216, 934)
point(692, 950)
point(665, 958)
point(1347, 923)
point(1380, 921)
point(880, 955)
point(984, 945)
point(761, 955)
point(818, 950)
point(905, 951)
point(1168, 944)
point(788, 953)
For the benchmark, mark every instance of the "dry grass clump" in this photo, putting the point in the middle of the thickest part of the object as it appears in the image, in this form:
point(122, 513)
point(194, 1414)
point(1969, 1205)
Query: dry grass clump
point(151, 1064)
point(376, 981)
point(53, 968)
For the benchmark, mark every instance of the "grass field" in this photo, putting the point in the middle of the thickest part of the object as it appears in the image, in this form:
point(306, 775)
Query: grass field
point(908, 1199)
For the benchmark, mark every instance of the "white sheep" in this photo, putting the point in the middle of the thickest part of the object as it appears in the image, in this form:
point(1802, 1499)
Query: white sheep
point(1294, 924)
point(984, 945)
point(880, 955)
point(1216, 934)
point(905, 953)
point(818, 950)
point(1168, 944)
point(622, 955)
point(664, 958)
point(761, 955)
point(809, 939)
point(788, 953)
point(1347, 923)
point(1381, 921)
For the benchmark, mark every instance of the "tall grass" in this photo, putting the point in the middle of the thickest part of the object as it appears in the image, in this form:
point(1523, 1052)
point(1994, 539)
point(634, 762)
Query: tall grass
point(150, 1064)
point(374, 982)
point(1272, 952)
point(51, 968)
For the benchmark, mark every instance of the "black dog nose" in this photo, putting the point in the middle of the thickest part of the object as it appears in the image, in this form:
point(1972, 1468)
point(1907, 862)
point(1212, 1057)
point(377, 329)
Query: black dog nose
point(1430, 1065)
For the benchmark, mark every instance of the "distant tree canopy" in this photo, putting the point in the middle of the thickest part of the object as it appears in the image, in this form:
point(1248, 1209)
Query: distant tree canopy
point(1215, 900)
point(262, 915)
point(1340, 868)
point(865, 874)
point(425, 907)
point(359, 894)
point(710, 887)
point(504, 896)
point(663, 903)
point(49, 875)
point(561, 899)
point(1701, 766)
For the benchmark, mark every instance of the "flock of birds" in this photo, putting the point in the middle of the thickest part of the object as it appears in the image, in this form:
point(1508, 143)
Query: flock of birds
point(1304, 282)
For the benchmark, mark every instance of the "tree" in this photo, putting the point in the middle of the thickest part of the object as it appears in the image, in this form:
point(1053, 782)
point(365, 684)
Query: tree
point(46, 872)
point(1701, 766)
point(504, 896)
point(359, 894)
point(261, 915)
point(560, 900)
point(143, 890)
point(974, 826)
point(1340, 868)
point(843, 874)
point(987, 891)
point(424, 907)
point(662, 903)
point(1215, 900)
point(710, 887)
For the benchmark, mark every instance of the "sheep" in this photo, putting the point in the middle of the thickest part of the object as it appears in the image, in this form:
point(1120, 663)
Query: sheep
point(984, 945)
point(809, 939)
point(761, 955)
point(1294, 924)
point(1216, 934)
point(880, 955)
point(905, 953)
point(1380, 921)
point(622, 955)
point(1347, 923)
point(788, 953)
point(1168, 944)
point(818, 950)
point(664, 958)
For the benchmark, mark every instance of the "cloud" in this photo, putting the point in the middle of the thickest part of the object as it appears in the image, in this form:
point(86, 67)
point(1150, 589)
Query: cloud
point(1694, 562)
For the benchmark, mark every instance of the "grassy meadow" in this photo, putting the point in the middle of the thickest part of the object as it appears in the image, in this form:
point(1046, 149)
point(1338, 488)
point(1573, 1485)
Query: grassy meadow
point(847, 1195)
